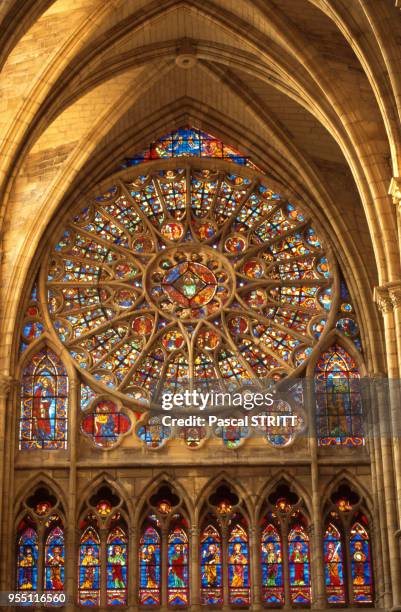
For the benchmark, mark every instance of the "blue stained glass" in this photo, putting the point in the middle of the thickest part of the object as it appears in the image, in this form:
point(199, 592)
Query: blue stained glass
point(117, 561)
point(361, 568)
point(211, 569)
point(54, 560)
point(43, 422)
point(299, 565)
point(149, 565)
point(89, 568)
point(27, 560)
point(334, 566)
point(188, 142)
point(178, 571)
point(272, 567)
point(238, 566)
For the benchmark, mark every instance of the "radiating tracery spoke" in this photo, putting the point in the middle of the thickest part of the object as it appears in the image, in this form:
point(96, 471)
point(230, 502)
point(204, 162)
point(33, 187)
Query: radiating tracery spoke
point(188, 272)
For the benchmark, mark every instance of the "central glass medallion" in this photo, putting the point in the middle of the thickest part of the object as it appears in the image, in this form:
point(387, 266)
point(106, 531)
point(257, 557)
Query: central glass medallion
point(190, 283)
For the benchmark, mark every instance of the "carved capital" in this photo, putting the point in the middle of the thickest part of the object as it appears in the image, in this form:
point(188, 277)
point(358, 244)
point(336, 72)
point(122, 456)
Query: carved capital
point(395, 295)
point(395, 190)
point(383, 300)
point(5, 386)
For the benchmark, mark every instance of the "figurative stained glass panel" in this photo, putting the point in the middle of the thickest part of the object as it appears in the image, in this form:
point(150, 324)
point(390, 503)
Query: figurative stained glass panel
point(238, 564)
point(54, 558)
point(105, 425)
point(272, 566)
point(44, 400)
point(334, 565)
point(117, 562)
point(178, 569)
point(339, 409)
point(150, 564)
point(188, 142)
point(299, 565)
point(89, 568)
point(361, 562)
point(211, 567)
point(153, 433)
point(27, 558)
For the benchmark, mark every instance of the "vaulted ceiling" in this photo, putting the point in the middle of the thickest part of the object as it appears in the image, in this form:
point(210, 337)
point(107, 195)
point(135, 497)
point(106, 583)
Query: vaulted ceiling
point(309, 89)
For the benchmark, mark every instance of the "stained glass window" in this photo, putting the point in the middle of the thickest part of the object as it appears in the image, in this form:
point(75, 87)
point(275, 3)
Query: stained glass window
point(361, 563)
point(32, 327)
point(150, 563)
point(105, 425)
point(334, 565)
point(339, 409)
point(299, 563)
point(117, 566)
point(27, 556)
point(272, 564)
point(44, 399)
point(144, 263)
point(188, 142)
point(178, 567)
point(238, 563)
point(89, 567)
point(211, 564)
point(54, 556)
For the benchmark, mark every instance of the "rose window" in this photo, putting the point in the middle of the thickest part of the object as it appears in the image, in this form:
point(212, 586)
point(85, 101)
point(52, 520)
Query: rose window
point(189, 274)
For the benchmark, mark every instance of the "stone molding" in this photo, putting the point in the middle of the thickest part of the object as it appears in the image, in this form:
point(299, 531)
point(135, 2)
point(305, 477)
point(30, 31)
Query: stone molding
point(5, 386)
point(395, 184)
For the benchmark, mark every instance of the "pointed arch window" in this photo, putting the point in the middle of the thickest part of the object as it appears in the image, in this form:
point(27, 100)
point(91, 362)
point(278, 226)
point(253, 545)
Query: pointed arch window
point(299, 562)
point(211, 563)
point(272, 563)
point(44, 402)
point(54, 558)
point(178, 564)
point(238, 562)
point(334, 564)
point(339, 408)
point(27, 556)
point(89, 564)
point(361, 561)
point(150, 563)
point(117, 563)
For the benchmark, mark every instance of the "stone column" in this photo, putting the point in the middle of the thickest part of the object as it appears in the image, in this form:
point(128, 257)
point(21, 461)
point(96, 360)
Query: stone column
point(255, 574)
point(164, 566)
point(72, 533)
point(391, 469)
point(194, 569)
point(5, 387)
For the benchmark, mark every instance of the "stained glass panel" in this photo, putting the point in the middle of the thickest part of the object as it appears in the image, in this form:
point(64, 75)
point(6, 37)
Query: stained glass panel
point(211, 567)
point(238, 564)
point(117, 567)
point(134, 273)
point(299, 565)
point(54, 557)
point(106, 424)
point(188, 142)
point(89, 568)
point(178, 568)
point(150, 564)
point(339, 409)
point(272, 566)
point(27, 558)
point(334, 566)
point(361, 563)
point(44, 400)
